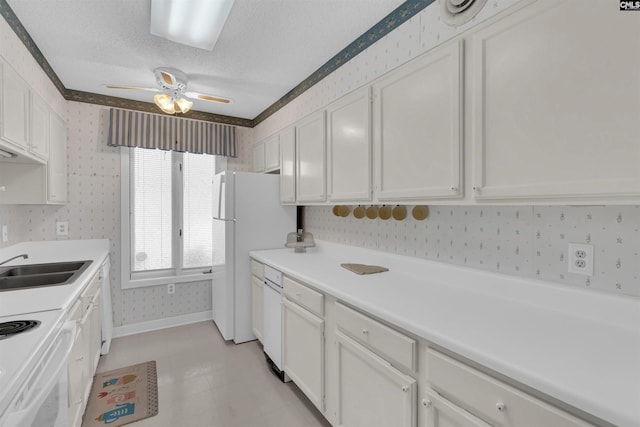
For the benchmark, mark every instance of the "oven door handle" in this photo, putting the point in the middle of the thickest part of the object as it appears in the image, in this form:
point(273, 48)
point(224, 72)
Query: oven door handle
point(63, 345)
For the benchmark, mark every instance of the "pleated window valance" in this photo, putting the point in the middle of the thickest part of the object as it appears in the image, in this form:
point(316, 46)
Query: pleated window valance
point(144, 130)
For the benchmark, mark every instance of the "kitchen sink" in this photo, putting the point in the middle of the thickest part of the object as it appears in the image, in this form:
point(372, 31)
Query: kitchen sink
point(39, 275)
point(54, 267)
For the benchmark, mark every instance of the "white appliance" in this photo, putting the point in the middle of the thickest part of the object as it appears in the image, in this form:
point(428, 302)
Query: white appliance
point(247, 216)
point(272, 319)
point(33, 369)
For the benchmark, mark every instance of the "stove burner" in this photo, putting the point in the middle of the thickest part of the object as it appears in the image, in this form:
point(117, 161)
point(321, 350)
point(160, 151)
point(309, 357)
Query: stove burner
point(15, 327)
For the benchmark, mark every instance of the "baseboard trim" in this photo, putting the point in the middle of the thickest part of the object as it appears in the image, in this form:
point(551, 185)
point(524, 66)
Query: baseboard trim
point(168, 322)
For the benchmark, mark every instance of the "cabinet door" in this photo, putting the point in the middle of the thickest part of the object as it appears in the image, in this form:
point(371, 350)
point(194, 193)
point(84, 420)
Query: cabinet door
point(57, 165)
point(371, 392)
point(39, 144)
point(96, 332)
point(349, 147)
point(310, 159)
point(258, 157)
point(256, 307)
point(288, 165)
point(555, 105)
point(76, 381)
point(439, 412)
point(418, 119)
point(272, 153)
point(303, 358)
point(15, 108)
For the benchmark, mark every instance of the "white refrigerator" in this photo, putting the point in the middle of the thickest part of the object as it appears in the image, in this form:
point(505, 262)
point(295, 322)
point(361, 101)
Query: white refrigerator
point(247, 215)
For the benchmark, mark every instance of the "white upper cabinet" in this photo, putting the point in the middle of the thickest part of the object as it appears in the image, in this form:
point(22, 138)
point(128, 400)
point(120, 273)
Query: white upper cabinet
point(349, 147)
point(15, 108)
point(258, 157)
point(310, 159)
point(272, 153)
point(417, 122)
point(57, 165)
point(39, 141)
point(556, 103)
point(288, 165)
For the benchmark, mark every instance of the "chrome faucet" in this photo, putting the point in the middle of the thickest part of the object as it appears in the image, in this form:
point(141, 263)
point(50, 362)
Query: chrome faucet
point(25, 256)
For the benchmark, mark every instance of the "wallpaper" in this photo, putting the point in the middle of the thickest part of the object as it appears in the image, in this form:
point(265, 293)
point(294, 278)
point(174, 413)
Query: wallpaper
point(528, 241)
point(93, 212)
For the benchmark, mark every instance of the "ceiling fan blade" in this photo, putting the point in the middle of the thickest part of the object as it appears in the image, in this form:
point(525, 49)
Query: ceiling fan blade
point(148, 89)
point(167, 77)
point(202, 96)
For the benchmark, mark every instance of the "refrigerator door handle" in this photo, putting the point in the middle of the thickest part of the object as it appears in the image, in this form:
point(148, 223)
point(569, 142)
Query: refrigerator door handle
point(221, 193)
point(224, 220)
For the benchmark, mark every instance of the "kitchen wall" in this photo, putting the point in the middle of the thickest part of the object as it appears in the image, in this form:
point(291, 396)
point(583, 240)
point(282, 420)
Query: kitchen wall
point(522, 241)
point(93, 212)
point(529, 241)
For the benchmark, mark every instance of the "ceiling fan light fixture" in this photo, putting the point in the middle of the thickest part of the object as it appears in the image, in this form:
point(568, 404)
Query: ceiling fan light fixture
point(196, 23)
point(165, 103)
point(183, 105)
point(171, 105)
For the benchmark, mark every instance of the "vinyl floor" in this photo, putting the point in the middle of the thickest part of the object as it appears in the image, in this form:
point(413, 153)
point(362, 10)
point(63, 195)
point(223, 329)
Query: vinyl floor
point(204, 381)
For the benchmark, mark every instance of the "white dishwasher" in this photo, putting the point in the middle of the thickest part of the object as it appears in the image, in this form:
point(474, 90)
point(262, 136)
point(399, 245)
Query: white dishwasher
point(272, 320)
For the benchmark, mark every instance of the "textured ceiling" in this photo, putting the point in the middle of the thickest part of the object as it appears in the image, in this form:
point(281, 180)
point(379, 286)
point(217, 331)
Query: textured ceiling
point(266, 48)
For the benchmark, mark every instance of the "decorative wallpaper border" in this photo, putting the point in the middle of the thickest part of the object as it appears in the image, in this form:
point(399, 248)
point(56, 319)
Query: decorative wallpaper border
point(148, 107)
point(394, 19)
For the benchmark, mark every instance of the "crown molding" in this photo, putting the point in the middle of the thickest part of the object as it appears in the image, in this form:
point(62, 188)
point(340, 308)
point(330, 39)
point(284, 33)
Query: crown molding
point(389, 23)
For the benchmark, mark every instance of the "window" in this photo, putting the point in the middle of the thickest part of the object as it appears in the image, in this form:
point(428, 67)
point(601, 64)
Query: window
point(166, 222)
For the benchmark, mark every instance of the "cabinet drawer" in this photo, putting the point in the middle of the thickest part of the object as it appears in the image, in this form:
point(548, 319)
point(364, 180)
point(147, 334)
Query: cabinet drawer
point(492, 400)
point(303, 295)
point(257, 269)
point(392, 344)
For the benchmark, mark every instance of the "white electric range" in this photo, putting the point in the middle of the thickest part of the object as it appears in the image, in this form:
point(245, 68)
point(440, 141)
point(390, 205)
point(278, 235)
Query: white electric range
point(34, 349)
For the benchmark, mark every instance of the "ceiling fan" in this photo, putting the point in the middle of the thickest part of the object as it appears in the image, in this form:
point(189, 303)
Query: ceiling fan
point(172, 91)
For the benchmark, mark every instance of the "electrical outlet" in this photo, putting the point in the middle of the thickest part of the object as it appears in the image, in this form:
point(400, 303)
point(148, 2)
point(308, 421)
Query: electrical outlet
point(580, 259)
point(62, 228)
point(171, 288)
point(5, 234)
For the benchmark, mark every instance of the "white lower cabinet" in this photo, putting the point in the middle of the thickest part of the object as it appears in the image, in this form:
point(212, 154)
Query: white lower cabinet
point(303, 358)
point(439, 412)
point(371, 392)
point(488, 398)
point(85, 353)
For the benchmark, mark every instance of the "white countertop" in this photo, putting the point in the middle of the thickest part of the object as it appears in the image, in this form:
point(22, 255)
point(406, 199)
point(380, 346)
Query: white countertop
point(579, 346)
point(51, 297)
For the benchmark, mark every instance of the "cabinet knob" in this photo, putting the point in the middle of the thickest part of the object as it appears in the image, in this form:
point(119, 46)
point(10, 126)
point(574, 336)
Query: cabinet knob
point(405, 388)
point(501, 407)
point(365, 331)
point(454, 188)
point(426, 403)
point(476, 189)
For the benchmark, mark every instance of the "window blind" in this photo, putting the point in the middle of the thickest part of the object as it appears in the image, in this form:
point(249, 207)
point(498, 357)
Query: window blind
point(143, 130)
